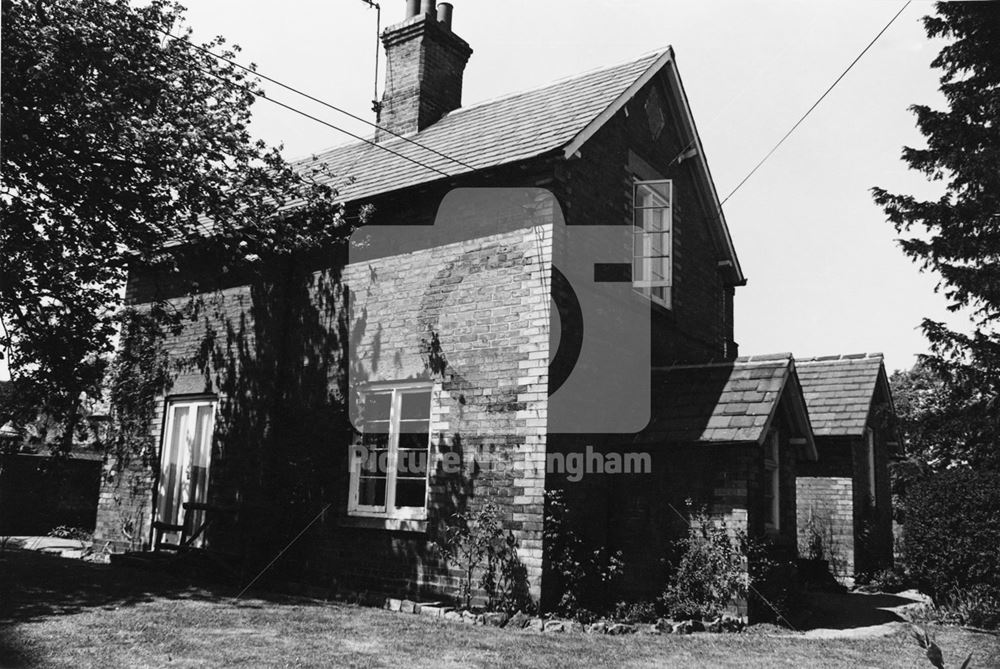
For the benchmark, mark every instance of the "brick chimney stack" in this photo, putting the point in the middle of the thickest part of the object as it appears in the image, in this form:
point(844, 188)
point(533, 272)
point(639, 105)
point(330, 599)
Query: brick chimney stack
point(423, 74)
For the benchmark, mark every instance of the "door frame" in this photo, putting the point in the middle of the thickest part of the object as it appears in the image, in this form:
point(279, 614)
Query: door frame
point(165, 432)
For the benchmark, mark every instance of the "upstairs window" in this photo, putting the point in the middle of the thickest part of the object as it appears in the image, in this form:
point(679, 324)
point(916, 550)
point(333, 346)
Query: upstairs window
point(772, 492)
point(652, 242)
point(389, 475)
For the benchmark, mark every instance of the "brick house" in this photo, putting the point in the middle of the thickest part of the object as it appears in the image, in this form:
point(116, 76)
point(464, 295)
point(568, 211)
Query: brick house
point(844, 498)
point(452, 334)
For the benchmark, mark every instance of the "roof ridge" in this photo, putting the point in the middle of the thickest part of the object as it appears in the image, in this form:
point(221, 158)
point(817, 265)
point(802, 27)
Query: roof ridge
point(766, 357)
point(554, 82)
point(480, 103)
point(842, 357)
point(745, 361)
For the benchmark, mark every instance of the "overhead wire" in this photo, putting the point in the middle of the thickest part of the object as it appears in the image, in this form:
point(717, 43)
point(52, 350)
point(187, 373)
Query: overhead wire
point(313, 98)
point(307, 115)
point(816, 104)
point(377, 126)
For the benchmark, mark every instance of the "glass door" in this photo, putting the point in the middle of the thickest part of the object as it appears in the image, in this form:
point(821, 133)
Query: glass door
point(184, 468)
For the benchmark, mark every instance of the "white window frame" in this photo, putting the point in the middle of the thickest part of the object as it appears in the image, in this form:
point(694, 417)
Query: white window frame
point(772, 471)
point(870, 452)
point(389, 510)
point(642, 252)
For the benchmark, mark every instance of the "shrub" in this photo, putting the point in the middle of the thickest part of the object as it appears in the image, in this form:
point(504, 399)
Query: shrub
point(952, 531)
point(581, 571)
point(635, 612)
point(478, 544)
point(821, 540)
point(712, 571)
point(718, 567)
point(976, 606)
point(883, 580)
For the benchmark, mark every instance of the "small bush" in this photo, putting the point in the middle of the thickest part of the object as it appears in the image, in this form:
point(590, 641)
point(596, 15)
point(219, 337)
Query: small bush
point(977, 606)
point(952, 531)
point(883, 580)
point(716, 569)
point(478, 544)
point(635, 612)
point(719, 567)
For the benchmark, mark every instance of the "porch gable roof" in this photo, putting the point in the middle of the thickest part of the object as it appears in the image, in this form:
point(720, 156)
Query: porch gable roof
point(839, 391)
point(727, 402)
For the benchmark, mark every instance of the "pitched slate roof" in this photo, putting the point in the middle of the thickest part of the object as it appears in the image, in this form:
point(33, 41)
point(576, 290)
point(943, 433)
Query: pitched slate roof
point(723, 402)
point(487, 134)
point(839, 391)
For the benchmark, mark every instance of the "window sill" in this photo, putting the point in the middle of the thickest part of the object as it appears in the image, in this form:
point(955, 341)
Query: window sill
point(382, 523)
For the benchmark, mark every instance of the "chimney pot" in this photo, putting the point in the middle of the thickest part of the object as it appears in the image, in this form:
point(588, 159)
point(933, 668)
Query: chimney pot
point(412, 8)
point(444, 10)
point(427, 7)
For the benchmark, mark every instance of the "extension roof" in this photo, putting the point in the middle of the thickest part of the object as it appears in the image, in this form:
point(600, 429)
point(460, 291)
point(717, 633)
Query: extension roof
point(555, 119)
point(727, 402)
point(839, 391)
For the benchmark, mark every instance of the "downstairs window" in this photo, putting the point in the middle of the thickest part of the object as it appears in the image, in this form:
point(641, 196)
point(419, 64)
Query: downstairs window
point(389, 470)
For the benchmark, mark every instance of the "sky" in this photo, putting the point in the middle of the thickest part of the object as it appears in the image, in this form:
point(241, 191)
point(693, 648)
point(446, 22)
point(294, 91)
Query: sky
point(825, 273)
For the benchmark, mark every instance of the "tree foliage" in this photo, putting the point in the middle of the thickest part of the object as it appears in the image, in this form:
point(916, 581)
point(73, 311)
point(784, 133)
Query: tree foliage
point(943, 423)
point(124, 150)
point(958, 234)
point(952, 531)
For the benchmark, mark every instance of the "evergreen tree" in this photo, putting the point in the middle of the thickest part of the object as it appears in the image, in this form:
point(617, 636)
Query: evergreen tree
point(958, 234)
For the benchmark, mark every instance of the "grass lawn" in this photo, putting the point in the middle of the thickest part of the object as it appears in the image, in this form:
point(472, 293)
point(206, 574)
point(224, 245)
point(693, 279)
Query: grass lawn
point(56, 612)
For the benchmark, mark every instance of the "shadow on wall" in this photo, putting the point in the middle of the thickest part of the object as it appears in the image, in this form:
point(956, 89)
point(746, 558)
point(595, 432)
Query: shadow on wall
point(276, 352)
point(273, 351)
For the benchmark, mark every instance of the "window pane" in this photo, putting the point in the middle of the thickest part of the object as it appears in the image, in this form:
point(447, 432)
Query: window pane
point(414, 440)
point(651, 220)
point(411, 492)
point(371, 491)
point(412, 463)
point(171, 476)
point(652, 194)
point(375, 440)
point(413, 427)
point(650, 244)
point(415, 405)
point(375, 463)
point(640, 269)
point(377, 406)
